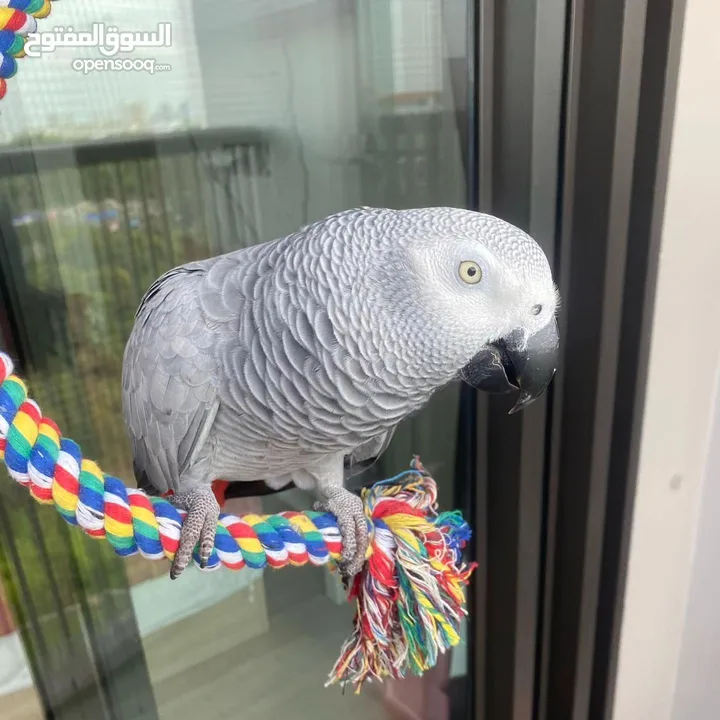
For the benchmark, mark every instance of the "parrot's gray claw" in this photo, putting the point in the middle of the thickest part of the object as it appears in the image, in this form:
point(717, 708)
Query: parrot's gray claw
point(200, 524)
point(350, 513)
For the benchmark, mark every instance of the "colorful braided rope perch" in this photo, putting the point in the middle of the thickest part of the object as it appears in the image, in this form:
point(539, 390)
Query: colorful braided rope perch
point(18, 18)
point(410, 595)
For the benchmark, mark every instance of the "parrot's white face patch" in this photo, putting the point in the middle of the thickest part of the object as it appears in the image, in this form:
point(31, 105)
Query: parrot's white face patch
point(503, 293)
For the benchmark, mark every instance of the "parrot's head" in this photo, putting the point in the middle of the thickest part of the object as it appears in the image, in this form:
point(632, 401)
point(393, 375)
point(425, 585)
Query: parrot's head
point(480, 291)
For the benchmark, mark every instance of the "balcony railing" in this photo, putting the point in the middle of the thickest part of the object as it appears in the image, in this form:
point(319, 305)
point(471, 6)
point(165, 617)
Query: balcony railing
point(86, 229)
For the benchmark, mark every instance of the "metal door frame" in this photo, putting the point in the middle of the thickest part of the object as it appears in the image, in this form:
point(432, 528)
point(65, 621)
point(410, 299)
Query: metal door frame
point(572, 109)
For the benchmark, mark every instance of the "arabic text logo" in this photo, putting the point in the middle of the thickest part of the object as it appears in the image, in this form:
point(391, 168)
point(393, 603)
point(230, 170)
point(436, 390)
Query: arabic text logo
point(108, 40)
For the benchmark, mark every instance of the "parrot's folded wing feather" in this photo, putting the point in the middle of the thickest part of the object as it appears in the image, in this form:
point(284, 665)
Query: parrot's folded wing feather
point(367, 454)
point(170, 382)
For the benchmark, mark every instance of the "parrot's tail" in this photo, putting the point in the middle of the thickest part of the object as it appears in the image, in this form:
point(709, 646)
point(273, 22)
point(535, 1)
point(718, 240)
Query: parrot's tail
point(410, 594)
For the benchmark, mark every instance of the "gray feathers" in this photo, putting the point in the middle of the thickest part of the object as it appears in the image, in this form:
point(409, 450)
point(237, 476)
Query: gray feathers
point(170, 380)
point(243, 367)
point(263, 363)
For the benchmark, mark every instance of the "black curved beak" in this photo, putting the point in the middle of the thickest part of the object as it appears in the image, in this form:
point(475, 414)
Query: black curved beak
point(510, 364)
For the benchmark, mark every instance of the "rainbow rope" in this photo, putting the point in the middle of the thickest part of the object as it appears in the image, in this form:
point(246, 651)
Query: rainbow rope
point(410, 593)
point(18, 19)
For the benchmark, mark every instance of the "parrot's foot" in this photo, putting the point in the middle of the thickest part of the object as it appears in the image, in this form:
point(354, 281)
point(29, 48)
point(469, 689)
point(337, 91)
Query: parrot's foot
point(199, 526)
point(350, 513)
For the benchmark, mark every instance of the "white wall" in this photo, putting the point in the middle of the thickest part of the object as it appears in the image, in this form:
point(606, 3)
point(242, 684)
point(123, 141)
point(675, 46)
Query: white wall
point(315, 73)
point(290, 69)
point(697, 692)
point(669, 661)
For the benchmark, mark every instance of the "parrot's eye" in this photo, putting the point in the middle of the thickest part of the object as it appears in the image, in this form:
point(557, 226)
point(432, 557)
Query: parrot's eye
point(470, 272)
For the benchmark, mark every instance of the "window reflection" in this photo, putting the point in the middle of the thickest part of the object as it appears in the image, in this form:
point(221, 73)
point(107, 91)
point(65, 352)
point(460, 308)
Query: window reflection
point(273, 115)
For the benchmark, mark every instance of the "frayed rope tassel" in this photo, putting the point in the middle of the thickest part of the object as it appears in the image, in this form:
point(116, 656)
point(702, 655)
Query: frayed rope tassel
point(410, 593)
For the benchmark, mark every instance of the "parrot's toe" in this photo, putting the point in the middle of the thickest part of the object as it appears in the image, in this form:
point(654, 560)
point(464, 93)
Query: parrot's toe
point(350, 513)
point(199, 527)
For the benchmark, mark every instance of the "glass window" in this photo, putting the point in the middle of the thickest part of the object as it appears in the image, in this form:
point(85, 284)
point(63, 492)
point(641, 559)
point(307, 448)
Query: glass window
point(252, 120)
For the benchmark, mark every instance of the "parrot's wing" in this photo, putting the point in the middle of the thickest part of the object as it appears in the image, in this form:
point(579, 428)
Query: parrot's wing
point(170, 381)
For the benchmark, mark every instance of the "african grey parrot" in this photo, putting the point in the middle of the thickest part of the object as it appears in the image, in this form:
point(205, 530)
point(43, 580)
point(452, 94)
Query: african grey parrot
point(281, 361)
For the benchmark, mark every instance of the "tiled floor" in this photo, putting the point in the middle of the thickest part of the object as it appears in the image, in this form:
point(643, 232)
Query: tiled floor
point(279, 671)
point(262, 653)
point(22, 705)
